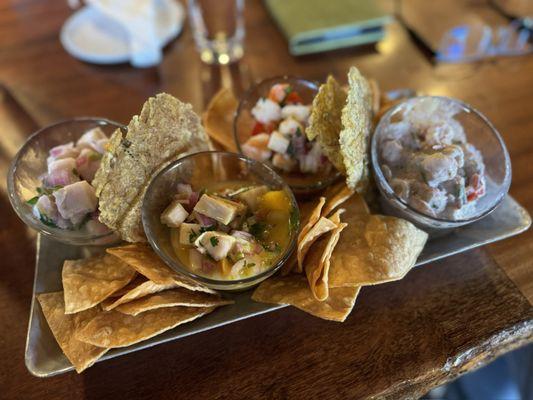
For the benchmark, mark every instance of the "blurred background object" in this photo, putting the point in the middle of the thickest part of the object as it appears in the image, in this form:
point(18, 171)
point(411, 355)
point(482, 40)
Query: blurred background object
point(118, 31)
point(311, 26)
point(218, 29)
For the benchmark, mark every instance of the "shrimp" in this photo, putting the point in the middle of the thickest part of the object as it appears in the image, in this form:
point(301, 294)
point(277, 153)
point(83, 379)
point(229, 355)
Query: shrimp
point(257, 147)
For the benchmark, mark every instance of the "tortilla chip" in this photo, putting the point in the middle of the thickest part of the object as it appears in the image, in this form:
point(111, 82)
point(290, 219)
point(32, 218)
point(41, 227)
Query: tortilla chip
point(218, 118)
point(312, 219)
point(318, 262)
point(144, 288)
point(172, 298)
point(375, 95)
point(114, 329)
point(356, 126)
point(165, 130)
point(81, 355)
point(373, 248)
point(294, 290)
point(325, 122)
point(89, 281)
point(143, 259)
point(340, 197)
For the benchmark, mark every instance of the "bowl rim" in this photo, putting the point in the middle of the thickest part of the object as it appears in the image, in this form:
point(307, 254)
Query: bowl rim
point(176, 263)
point(64, 235)
point(312, 84)
point(391, 196)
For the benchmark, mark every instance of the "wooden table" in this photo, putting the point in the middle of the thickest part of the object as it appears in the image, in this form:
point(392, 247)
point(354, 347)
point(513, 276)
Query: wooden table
point(402, 338)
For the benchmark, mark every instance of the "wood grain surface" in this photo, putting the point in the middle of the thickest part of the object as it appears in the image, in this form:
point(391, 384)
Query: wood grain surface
point(402, 339)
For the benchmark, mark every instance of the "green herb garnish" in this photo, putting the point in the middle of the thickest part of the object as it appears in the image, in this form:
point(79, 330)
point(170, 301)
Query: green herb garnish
point(207, 228)
point(214, 241)
point(294, 219)
point(290, 149)
point(192, 236)
point(33, 200)
point(47, 221)
point(258, 229)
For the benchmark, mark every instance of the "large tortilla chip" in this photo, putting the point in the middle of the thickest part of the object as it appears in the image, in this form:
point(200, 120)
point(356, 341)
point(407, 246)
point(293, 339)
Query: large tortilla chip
point(356, 126)
point(373, 248)
point(294, 290)
point(172, 298)
point(143, 259)
point(336, 200)
point(89, 281)
point(114, 329)
point(81, 355)
point(143, 288)
point(325, 123)
point(218, 118)
point(165, 130)
point(318, 262)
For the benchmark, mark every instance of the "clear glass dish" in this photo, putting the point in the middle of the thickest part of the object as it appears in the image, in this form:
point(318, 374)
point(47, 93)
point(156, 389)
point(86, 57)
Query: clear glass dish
point(483, 135)
point(244, 122)
point(30, 163)
point(200, 170)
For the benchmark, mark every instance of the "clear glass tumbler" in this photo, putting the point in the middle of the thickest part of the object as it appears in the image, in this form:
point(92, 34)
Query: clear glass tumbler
point(218, 29)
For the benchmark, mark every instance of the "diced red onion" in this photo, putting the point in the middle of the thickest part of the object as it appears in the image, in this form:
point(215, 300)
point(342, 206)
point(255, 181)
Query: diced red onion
point(205, 220)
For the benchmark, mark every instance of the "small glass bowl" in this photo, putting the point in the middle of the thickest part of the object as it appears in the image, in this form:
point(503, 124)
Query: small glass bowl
point(481, 133)
point(30, 163)
point(199, 170)
point(244, 122)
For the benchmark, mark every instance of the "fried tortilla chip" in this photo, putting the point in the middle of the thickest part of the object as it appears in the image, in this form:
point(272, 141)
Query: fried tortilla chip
point(115, 329)
point(143, 259)
point(312, 219)
point(373, 248)
point(81, 355)
point(375, 95)
point(218, 118)
point(356, 126)
point(325, 122)
point(144, 288)
point(318, 262)
point(89, 281)
point(165, 130)
point(335, 201)
point(294, 290)
point(172, 298)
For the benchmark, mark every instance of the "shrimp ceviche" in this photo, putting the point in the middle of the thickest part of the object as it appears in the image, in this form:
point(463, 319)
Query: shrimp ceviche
point(278, 135)
point(428, 162)
point(66, 199)
point(231, 230)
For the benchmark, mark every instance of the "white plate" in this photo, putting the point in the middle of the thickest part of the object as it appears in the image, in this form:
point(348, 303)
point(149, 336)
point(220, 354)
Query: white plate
point(90, 36)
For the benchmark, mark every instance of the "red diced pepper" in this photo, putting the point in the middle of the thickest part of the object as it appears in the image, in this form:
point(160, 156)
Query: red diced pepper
point(258, 128)
point(293, 98)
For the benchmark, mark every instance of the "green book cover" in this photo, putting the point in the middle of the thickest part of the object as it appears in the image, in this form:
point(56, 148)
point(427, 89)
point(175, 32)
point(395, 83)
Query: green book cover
point(311, 26)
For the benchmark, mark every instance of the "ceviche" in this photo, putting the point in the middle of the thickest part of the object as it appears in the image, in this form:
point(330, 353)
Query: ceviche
point(429, 163)
point(230, 230)
point(278, 134)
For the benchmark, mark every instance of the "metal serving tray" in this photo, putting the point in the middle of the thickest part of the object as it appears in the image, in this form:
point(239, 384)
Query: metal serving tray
point(44, 358)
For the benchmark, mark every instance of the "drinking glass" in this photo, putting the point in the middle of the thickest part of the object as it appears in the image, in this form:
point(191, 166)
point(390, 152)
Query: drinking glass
point(218, 29)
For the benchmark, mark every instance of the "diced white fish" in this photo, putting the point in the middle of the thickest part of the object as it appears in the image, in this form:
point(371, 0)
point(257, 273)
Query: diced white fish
point(392, 152)
point(473, 160)
point(297, 111)
point(437, 168)
point(266, 111)
point(400, 187)
point(62, 151)
point(445, 133)
point(95, 227)
point(252, 196)
point(62, 172)
point(217, 244)
point(284, 162)
point(94, 139)
point(189, 233)
point(278, 143)
point(310, 162)
point(290, 126)
point(174, 214)
point(87, 163)
point(75, 201)
point(256, 147)
point(46, 209)
point(221, 210)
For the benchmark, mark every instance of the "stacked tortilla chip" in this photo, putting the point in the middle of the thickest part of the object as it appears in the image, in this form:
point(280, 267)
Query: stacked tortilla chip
point(118, 299)
point(341, 251)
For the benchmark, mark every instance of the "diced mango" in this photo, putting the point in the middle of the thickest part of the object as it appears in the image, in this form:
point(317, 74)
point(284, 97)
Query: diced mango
point(276, 200)
point(225, 266)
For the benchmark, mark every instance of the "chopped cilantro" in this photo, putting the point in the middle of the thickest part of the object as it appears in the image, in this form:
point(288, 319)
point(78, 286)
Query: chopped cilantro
point(214, 241)
point(207, 228)
point(294, 219)
point(47, 221)
point(258, 229)
point(48, 190)
point(298, 132)
point(288, 89)
point(291, 150)
point(192, 236)
point(32, 201)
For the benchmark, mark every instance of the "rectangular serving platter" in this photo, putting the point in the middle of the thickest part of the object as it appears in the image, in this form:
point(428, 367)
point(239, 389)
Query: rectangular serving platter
point(44, 358)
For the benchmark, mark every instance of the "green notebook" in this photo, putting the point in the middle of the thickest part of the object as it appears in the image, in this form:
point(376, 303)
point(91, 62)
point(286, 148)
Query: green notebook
point(312, 26)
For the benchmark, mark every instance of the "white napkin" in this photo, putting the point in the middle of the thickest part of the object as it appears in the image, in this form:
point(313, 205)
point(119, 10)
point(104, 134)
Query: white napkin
point(138, 17)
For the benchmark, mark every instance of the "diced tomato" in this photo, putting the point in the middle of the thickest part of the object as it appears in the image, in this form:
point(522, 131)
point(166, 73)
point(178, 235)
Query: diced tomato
point(293, 98)
point(258, 128)
point(476, 189)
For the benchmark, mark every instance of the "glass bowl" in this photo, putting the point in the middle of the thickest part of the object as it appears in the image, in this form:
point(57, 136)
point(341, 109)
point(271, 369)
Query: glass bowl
point(479, 132)
point(244, 122)
point(30, 163)
point(200, 170)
